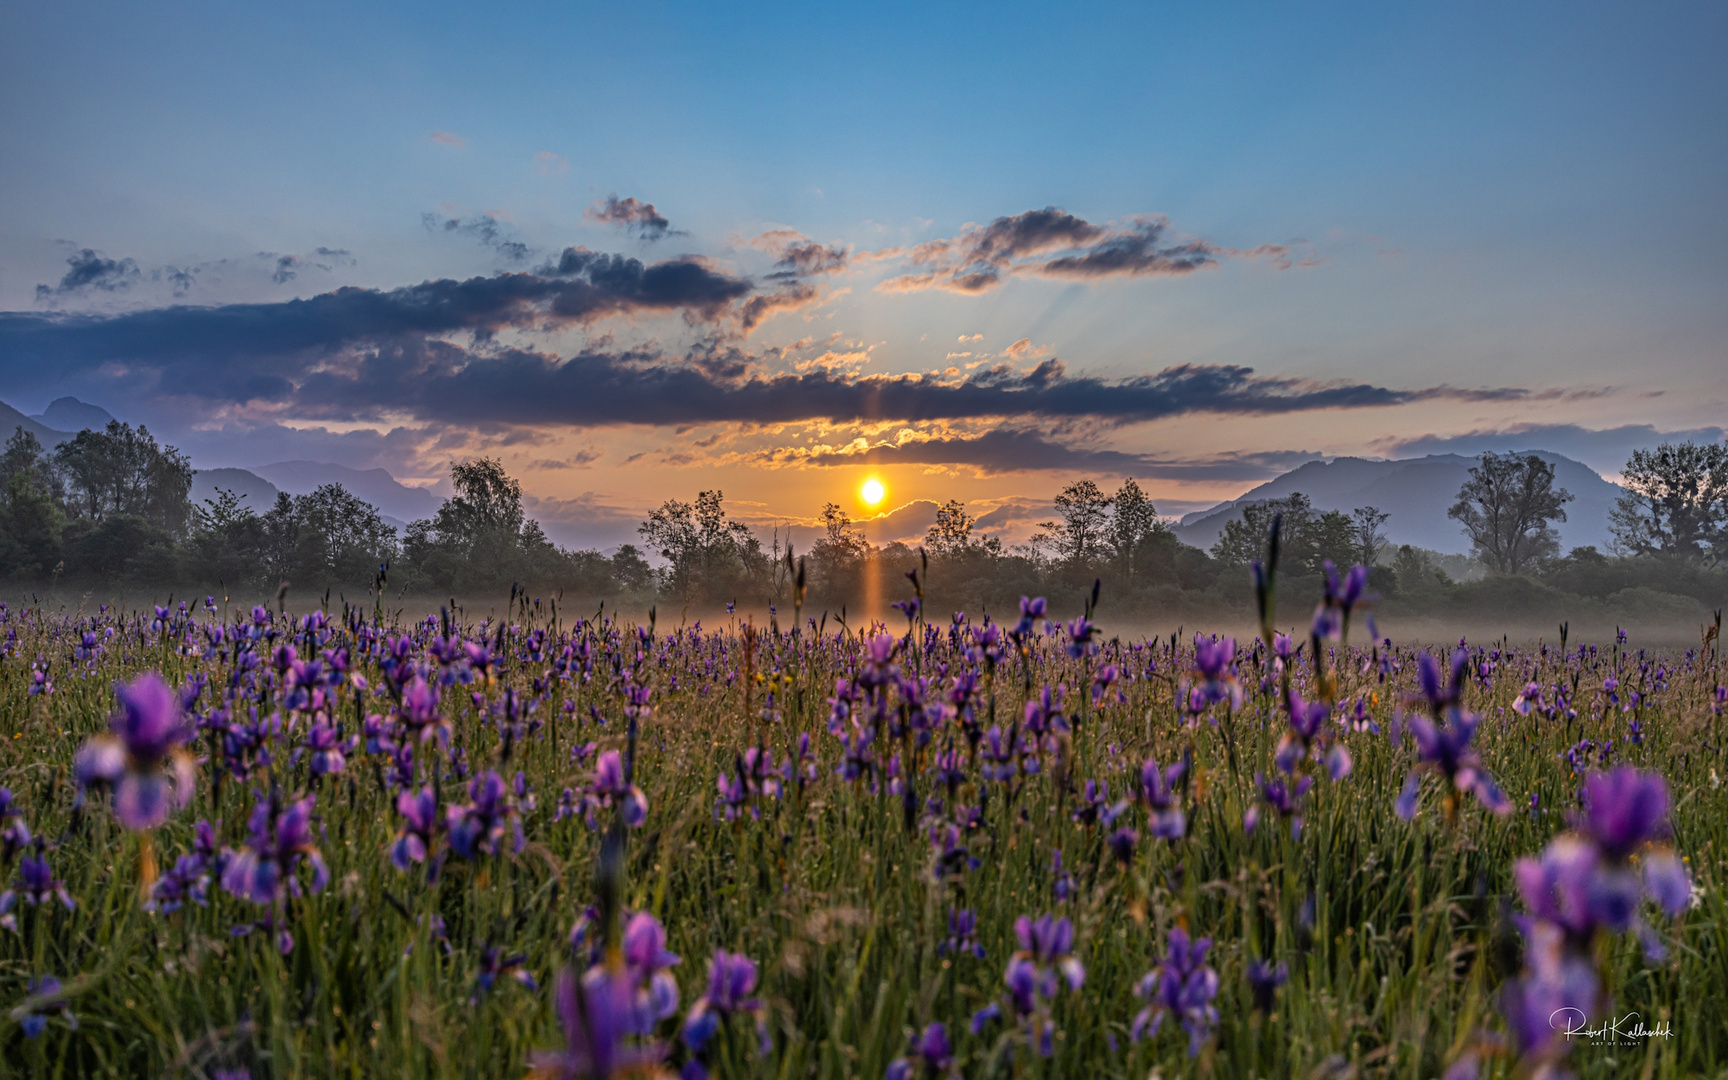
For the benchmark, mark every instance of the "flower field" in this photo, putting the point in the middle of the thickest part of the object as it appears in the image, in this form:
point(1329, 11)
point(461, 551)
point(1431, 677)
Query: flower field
point(256, 843)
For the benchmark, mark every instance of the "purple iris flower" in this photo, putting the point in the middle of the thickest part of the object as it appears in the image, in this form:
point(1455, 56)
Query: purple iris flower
point(962, 934)
point(931, 1054)
point(731, 980)
point(1307, 722)
point(1439, 695)
point(420, 711)
point(597, 1011)
point(43, 998)
point(279, 840)
point(649, 966)
point(1447, 752)
point(1080, 634)
point(610, 790)
point(1283, 799)
point(1184, 986)
point(1623, 809)
point(329, 751)
point(35, 884)
point(420, 826)
point(478, 828)
point(1558, 992)
point(1163, 802)
point(1264, 980)
point(1214, 666)
point(141, 759)
point(1049, 942)
point(494, 965)
point(1031, 609)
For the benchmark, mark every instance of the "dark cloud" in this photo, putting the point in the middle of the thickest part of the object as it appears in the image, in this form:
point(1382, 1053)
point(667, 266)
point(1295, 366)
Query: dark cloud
point(1605, 450)
point(1010, 449)
point(790, 298)
point(357, 352)
point(1054, 243)
point(640, 218)
point(484, 229)
point(265, 351)
point(87, 271)
point(809, 258)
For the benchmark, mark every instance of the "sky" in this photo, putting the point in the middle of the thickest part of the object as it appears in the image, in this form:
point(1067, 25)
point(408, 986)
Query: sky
point(641, 251)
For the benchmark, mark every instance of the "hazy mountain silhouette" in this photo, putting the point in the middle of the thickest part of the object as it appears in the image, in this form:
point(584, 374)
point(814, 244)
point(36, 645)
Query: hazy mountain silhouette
point(397, 502)
point(1416, 492)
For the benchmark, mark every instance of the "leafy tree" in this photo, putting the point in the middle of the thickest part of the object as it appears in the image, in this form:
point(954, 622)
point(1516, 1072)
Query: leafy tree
point(709, 556)
point(1676, 502)
point(1244, 540)
point(122, 470)
point(1370, 536)
point(1080, 537)
point(1133, 524)
point(838, 554)
point(1507, 507)
point(30, 521)
point(951, 534)
point(629, 569)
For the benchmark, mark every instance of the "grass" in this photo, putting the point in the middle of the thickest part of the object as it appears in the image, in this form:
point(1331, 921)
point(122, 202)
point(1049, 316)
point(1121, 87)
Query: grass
point(1397, 935)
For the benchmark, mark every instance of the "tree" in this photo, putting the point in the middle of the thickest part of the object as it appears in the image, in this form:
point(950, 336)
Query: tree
point(122, 470)
point(709, 555)
point(30, 521)
point(1244, 540)
point(1332, 538)
point(1370, 537)
point(951, 534)
point(1080, 536)
point(1676, 502)
point(1507, 508)
point(485, 513)
point(1133, 523)
point(343, 538)
point(838, 554)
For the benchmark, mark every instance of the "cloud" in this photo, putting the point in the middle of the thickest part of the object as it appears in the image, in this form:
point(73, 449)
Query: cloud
point(358, 353)
point(1604, 450)
point(1054, 243)
point(446, 138)
point(546, 163)
point(633, 215)
point(791, 297)
point(484, 228)
point(88, 271)
point(1014, 449)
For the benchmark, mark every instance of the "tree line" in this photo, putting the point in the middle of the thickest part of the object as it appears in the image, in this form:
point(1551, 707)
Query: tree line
point(113, 507)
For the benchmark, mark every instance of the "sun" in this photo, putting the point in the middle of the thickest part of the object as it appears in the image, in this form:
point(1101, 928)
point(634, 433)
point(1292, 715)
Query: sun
point(872, 492)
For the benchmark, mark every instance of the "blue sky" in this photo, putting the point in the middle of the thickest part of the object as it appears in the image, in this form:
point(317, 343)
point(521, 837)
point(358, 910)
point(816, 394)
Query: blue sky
point(1522, 201)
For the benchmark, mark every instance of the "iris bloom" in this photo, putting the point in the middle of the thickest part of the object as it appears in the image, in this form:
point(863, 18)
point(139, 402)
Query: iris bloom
point(930, 1055)
point(1446, 752)
point(44, 998)
point(1163, 802)
point(731, 980)
point(279, 840)
point(597, 1013)
point(35, 884)
point(141, 759)
point(1183, 986)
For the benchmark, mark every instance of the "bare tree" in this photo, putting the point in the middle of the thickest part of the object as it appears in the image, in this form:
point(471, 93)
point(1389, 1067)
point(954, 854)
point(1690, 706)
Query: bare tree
point(1507, 508)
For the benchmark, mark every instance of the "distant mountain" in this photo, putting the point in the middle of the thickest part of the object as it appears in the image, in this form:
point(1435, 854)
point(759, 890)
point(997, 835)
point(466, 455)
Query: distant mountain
point(70, 414)
point(397, 502)
point(11, 420)
point(260, 494)
point(1416, 492)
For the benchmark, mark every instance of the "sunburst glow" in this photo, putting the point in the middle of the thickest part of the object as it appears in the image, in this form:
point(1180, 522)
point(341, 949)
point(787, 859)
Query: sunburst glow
point(872, 492)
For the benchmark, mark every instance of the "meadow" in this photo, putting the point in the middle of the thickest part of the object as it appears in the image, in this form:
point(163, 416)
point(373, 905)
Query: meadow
point(337, 843)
